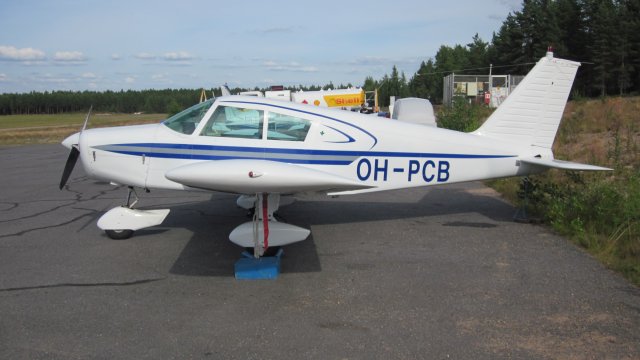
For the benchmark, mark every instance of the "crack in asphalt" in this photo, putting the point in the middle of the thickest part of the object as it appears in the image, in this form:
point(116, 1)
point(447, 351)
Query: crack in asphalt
point(93, 216)
point(78, 198)
point(99, 284)
point(12, 205)
point(39, 213)
point(20, 233)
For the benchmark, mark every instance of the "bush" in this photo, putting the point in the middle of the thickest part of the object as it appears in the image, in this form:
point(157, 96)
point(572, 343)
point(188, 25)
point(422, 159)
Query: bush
point(462, 116)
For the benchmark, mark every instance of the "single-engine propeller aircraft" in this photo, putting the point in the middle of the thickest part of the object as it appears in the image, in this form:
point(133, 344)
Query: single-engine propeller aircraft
point(265, 149)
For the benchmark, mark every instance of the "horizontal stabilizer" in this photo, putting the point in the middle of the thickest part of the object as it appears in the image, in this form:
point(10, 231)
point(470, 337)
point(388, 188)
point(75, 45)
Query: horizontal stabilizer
point(564, 165)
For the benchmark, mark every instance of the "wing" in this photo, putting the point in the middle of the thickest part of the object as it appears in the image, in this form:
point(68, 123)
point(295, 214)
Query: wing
point(245, 176)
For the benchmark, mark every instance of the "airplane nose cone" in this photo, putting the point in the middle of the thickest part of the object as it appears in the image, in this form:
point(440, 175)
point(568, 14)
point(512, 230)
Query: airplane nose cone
point(71, 140)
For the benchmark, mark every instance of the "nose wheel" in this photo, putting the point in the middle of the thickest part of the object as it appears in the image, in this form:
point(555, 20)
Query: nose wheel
point(120, 222)
point(119, 234)
point(123, 234)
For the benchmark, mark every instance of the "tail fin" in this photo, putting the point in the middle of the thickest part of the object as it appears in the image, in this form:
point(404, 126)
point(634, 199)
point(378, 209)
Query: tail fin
point(532, 113)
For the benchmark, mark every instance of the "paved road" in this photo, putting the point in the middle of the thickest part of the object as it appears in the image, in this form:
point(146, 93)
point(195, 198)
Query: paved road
point(429, 273)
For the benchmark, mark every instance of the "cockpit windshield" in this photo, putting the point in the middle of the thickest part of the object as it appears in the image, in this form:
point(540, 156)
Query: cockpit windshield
point(186, 121)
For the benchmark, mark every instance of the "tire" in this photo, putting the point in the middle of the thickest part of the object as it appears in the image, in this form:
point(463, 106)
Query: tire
point(119, 234)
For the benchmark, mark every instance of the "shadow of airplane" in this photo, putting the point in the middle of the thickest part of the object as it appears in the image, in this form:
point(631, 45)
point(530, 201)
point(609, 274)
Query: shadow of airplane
point(210, 253)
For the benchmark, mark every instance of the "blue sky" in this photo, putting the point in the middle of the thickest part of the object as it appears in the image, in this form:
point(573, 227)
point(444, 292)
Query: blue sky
point(100, 45)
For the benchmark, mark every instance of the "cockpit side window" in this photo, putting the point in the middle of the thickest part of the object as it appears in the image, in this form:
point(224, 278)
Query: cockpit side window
point(230, 121)
point(185, 122)
point(287, 128)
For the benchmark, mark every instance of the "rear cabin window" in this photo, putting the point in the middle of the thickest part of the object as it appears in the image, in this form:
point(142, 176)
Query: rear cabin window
point(287, 128)
point(229, 121)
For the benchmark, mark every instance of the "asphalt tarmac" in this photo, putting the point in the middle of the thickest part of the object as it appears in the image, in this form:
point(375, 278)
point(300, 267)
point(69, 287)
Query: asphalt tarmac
point(432, 273)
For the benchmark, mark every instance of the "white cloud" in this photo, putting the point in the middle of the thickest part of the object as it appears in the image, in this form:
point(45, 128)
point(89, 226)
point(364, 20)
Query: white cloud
point(55, 78)
point(89, 75)
point(372, 60)
point(277, 29)
point(3, 77)
point(381, 62)
point(25, 54)
point(69, 57)
point(145, 56)
point(129, 80)
point(115, 57)
point(177, 56)
point(291, 66)
point(161, 78)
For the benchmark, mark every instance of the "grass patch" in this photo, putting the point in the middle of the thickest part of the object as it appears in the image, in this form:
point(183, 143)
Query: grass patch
point(47, 129)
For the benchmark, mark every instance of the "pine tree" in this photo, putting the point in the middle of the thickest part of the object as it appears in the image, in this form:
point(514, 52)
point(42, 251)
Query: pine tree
point(507, 44)
point(601, 19)
point(477, 52)
point(633, 29)
point(427, 83)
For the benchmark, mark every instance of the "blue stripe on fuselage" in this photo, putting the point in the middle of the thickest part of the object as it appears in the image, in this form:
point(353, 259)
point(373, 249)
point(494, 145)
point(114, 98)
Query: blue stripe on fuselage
point(221, 157)
point(152, 150)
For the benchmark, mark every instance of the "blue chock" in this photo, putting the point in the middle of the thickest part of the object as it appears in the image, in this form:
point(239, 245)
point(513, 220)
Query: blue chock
point(263, 268)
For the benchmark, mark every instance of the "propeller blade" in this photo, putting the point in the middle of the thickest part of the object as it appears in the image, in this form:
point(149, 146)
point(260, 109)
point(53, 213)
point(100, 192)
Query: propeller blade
point(68, 167)
point(74, 154)
point(86, 119)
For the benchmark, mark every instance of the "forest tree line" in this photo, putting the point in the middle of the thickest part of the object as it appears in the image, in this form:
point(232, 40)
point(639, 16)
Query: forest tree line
point(167, 101)
point(602, 34)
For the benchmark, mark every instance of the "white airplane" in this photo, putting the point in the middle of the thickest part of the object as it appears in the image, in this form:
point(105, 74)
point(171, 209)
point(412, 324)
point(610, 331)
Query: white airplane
point(266, 149)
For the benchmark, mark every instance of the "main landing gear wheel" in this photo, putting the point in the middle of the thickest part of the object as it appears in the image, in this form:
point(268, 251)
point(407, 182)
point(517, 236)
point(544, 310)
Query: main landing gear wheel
point(119, 234)
point(271, 251)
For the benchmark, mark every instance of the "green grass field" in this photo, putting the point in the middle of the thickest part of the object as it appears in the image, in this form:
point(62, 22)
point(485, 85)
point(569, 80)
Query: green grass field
point(45, 129)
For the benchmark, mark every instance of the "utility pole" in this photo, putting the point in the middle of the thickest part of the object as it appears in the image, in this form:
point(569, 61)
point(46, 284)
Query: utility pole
point(490, 83)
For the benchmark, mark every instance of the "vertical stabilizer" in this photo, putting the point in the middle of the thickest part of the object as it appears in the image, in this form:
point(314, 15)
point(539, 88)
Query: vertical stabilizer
point(532, 112)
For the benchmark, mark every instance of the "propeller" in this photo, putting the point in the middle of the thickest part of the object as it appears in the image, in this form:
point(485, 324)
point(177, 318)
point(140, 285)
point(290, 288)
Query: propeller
point(74, 154)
